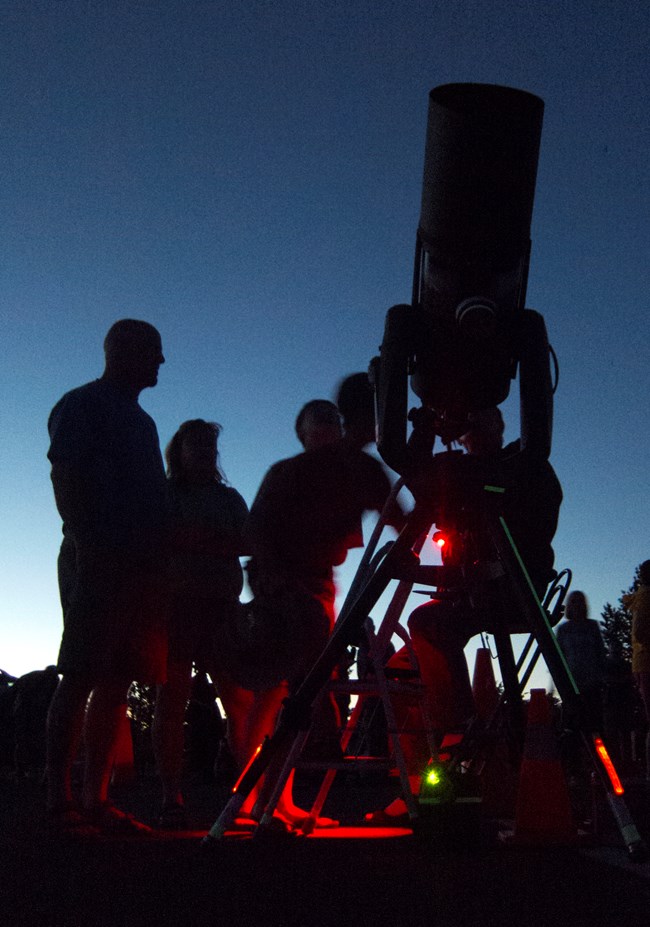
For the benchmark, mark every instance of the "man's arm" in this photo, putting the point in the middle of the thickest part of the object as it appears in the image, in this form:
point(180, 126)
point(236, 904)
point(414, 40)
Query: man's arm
point(70, 494)
point(72, 435)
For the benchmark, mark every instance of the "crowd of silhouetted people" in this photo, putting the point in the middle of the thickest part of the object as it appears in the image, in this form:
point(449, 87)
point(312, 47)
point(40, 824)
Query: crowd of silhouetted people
point(151, 578)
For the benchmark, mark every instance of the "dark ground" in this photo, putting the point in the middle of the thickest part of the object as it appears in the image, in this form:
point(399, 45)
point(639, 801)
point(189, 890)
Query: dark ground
point(293, 881)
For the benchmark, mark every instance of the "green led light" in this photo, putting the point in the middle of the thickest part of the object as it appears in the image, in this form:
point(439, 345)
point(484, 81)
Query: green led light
point(437, 788)
point(433, 777)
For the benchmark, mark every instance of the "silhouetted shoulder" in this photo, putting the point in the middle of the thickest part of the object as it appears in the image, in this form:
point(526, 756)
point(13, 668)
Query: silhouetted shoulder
point(84, 419)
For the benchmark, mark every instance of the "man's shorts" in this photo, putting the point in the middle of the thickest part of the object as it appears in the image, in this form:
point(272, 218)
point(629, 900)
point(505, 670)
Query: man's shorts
point(114, 615)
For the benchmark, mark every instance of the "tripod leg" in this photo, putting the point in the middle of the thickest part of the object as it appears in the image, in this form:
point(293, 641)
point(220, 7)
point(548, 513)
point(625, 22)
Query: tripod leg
point(535, 614)
point(391, 721)
point(297, 711)
point(512, 688)
point(377, 644)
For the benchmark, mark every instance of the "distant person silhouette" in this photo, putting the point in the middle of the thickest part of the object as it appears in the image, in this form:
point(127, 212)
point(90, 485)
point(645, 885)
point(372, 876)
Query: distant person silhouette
point(584, 650)
point(639, 604)
point(109, 486)
point(206, 540)
point(582, 644)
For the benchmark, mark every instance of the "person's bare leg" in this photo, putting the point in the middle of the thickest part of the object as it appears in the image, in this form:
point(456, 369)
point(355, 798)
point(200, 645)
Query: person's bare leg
point(238, 704)
point(260, 723)
point(445, 676)
point(65, 723)
point(263, 718)
point(106, 708)
point(293, 814)
point(252, 716)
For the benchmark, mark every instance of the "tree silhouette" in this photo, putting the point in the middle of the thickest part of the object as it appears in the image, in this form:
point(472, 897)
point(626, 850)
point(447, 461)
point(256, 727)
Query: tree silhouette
point(617, 625)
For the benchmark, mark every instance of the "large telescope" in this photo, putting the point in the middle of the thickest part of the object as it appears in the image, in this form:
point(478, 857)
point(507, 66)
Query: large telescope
point(466, 331)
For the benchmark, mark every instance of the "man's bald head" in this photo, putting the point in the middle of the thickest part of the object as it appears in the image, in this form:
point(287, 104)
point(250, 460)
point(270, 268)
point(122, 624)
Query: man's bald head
point(133, 351)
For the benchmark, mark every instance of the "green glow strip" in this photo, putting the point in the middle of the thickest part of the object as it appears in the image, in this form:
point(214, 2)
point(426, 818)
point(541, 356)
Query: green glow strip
point(499, 489)
point(539, 605)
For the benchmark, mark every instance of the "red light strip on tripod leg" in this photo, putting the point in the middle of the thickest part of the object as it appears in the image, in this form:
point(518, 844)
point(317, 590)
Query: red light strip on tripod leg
point(245, 770)
point(601, 750)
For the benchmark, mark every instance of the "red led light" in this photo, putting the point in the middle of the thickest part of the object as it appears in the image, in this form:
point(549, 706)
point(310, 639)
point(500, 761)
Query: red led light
point(601, 750)
point(245, 770)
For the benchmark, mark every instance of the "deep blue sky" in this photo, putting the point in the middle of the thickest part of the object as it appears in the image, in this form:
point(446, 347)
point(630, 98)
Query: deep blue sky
point(247, 177)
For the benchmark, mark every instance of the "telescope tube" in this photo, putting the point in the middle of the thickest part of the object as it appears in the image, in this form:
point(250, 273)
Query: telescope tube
point(480, 167)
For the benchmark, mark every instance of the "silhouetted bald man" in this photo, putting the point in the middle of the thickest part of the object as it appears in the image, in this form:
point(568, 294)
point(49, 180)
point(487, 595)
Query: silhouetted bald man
point(109, 486)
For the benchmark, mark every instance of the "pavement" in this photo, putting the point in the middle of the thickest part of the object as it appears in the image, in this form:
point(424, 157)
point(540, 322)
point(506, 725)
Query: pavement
point(346, 876)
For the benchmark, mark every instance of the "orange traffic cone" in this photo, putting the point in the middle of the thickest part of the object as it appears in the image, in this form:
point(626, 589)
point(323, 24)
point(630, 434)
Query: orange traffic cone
point(484, 687)
point(543, 812)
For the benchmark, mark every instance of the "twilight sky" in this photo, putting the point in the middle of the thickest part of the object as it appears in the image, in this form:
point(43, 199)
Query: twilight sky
point(247, 176)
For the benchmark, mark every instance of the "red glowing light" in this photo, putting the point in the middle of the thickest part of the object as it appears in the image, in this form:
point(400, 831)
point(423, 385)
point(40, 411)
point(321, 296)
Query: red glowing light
point(601, 750)
point(245, 770)
point(439, 539)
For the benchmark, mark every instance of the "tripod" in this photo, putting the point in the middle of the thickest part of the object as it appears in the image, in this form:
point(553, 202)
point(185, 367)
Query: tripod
point(278, 753)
